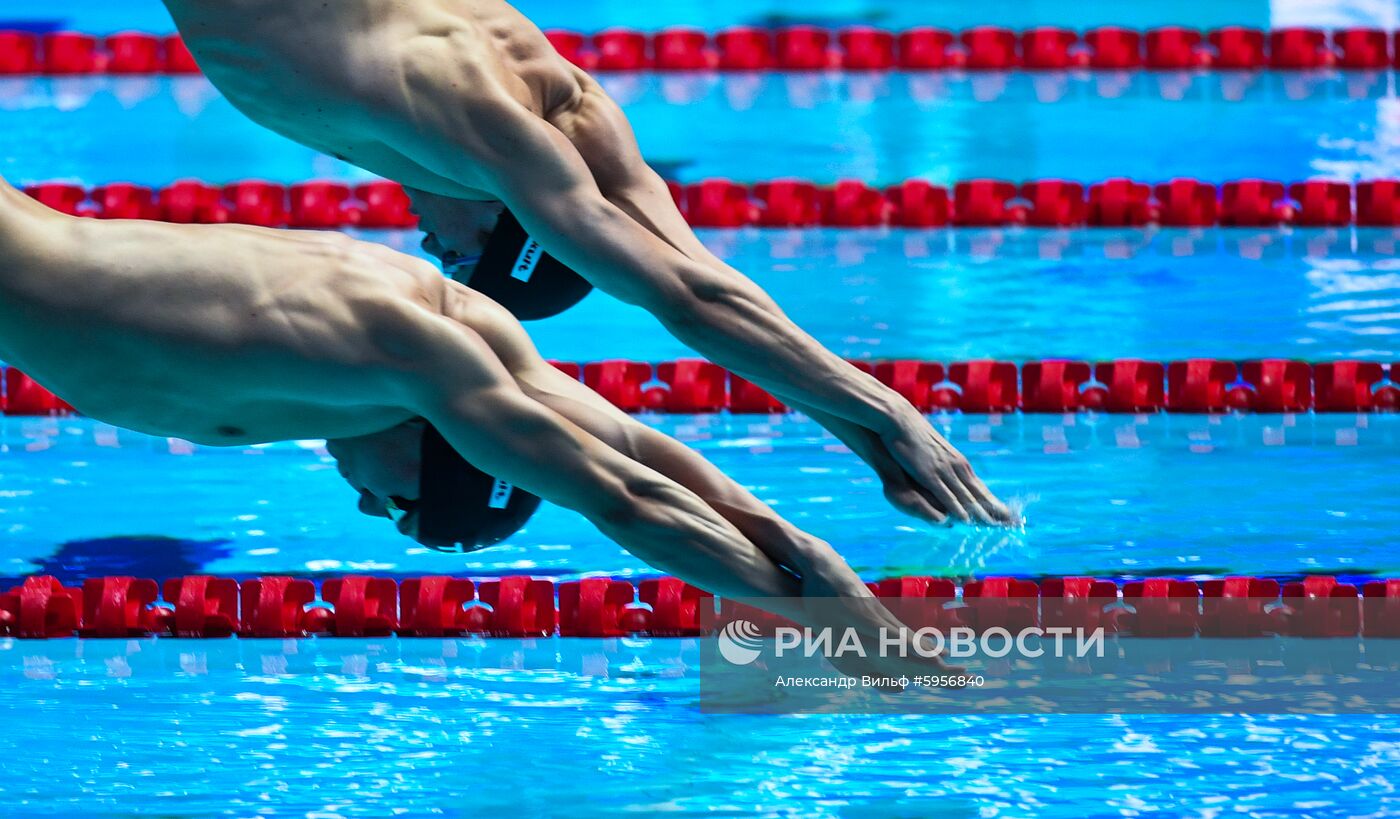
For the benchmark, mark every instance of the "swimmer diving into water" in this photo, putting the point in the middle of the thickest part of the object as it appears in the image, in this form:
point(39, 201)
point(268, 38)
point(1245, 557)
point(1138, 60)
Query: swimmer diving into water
point(229, 335)
point(466, 103)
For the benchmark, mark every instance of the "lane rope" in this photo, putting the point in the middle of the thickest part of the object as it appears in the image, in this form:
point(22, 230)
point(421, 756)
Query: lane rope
point(1135, 386)
point(812, 48)
point(790, 203)
point(522, 607)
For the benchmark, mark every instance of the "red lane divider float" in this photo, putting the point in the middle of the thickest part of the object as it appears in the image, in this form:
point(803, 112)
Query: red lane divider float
point(810, 48)
point(353, 606)
point(23, 395)
point(71, 53)
point(792, 203)
point(315, 204)
point(1200, 385)
point(526, 607)
point(980, 48)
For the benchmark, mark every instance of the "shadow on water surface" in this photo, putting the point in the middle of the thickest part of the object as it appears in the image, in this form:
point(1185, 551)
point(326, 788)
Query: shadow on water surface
point(153, 556)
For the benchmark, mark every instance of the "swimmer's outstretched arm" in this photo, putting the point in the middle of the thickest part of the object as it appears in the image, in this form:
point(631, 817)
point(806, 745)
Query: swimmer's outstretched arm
point(672, 508)
point(813, 560)
point(541, 176)
point(460, 386)
point(820, 569)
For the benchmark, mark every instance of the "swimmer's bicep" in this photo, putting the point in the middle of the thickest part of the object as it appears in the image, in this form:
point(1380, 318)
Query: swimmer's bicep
point(546, 183)
point(468, 128)
point(507, 434)
point(539, 379)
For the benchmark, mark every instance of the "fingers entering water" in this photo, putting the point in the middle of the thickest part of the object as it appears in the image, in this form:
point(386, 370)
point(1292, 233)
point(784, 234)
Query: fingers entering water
point(994, 510)
point(912, 502)
point(972, 503)
point(950, 502)
point(1000, 512)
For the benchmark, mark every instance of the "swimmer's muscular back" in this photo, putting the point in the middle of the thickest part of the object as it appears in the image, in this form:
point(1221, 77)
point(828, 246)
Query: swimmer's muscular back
point(217, 334)
point(326, 73)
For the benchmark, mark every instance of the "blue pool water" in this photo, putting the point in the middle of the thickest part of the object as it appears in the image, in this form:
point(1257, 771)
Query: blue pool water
point(882, 128)
point(592, 15)
point(594, 728)
point(325, 728)
point(1109, 496)
point(1026, 294)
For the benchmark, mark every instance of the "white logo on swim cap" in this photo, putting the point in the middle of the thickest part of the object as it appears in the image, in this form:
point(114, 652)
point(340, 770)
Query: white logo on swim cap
point(527, 261)
point(500, 494)
point(739, 642)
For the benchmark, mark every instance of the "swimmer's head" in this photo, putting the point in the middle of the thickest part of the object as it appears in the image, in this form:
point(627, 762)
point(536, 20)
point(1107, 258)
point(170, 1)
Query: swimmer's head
point(503, 262)
point(458, 244)
point(411, 475)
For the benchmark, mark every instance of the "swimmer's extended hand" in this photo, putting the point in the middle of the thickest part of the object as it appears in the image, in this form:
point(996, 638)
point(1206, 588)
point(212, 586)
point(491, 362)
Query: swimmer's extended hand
point(939, 472)
point(839, 600)
point(923, 475)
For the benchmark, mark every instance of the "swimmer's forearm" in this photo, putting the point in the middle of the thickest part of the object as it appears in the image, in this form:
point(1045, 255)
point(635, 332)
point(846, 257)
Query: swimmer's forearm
point(815, 563)
point(649, 515)
point(464, 391)
point(716, 311)
point(720, 314)
point(782, 542)
point(671, 529)
point(731, 321)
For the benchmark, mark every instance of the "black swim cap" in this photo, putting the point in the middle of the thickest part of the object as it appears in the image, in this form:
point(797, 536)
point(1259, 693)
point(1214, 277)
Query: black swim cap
point(459, 507)
point(516, 273)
